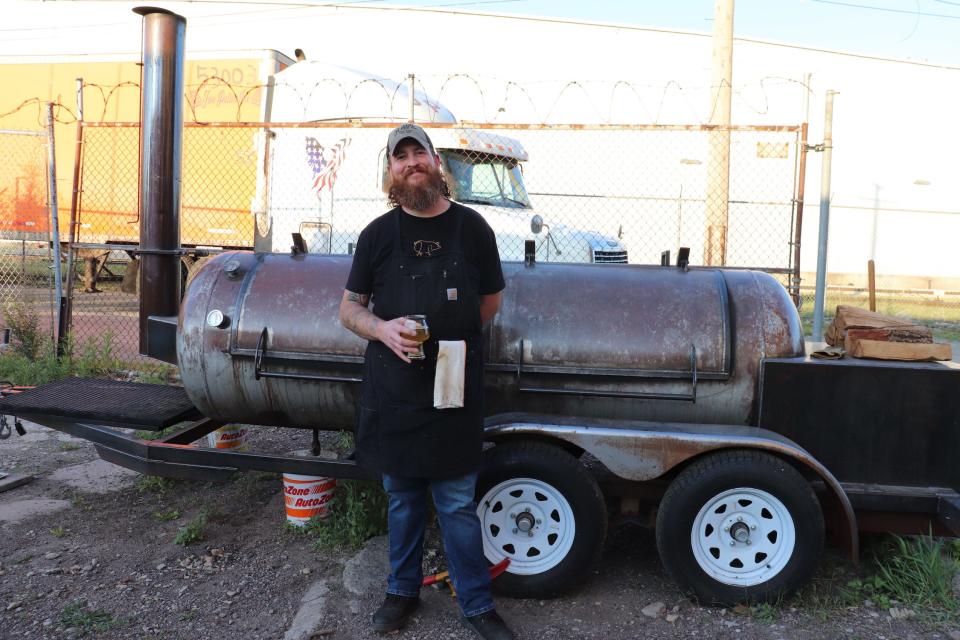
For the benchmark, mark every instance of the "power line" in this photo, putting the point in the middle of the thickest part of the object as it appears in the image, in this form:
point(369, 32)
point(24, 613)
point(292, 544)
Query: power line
point(888, 10)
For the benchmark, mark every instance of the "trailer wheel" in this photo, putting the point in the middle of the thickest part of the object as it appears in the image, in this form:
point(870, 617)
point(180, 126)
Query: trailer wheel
point(541, 509)
point(739, 526)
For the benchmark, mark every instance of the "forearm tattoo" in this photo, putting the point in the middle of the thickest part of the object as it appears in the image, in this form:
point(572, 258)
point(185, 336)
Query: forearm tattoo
point(358, 318)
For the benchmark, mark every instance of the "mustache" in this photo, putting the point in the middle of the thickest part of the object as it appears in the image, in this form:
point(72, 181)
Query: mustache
point(409, 171)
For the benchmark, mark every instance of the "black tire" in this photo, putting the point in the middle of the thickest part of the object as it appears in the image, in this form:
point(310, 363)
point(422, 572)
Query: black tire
point(764, 566)
point(554, 486)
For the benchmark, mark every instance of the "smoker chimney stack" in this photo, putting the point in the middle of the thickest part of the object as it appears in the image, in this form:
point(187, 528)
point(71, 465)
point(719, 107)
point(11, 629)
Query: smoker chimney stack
point(161, 135)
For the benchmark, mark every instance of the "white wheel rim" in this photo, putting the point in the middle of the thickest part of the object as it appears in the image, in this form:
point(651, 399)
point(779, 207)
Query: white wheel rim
point(528, 521)
point(743, 537)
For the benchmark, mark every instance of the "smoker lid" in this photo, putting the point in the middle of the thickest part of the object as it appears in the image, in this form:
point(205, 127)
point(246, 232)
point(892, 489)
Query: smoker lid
point(643, 321)
point(297, 299)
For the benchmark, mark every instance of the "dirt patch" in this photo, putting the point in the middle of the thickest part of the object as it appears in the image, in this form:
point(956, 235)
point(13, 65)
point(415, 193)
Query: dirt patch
point(106, 566)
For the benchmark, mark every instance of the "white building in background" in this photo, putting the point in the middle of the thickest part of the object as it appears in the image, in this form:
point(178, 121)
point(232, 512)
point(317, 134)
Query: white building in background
point(895, 130)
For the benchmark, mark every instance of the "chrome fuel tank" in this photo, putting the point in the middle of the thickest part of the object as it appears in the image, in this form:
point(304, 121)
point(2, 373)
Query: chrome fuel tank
point(260, 341)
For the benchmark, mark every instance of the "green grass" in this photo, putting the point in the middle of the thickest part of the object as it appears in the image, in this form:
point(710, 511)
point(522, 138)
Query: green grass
point(914, 572)
point(943, 317)
point(79, 615)
point(166, 516)
point(155, 435)
point(765, 612)
point(68, 446)
point(359, 513)
point(193, 531)
point(58, 532)
point(94, 359)
point(155, 484)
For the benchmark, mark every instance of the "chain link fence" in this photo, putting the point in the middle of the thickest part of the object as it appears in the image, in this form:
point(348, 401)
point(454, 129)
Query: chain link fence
point(26, 274)
point(591, 194)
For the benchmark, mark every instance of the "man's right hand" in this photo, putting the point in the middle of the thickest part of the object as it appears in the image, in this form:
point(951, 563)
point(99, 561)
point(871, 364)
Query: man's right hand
point(392, 332)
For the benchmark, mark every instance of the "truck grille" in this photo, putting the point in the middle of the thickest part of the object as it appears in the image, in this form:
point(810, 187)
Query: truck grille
point(610, 257)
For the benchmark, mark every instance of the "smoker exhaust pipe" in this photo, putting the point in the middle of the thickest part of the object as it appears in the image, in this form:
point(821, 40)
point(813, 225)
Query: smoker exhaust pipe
point(161, 135)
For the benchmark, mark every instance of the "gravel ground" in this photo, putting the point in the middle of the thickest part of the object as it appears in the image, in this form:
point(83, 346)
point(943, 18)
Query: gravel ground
point(87, 532)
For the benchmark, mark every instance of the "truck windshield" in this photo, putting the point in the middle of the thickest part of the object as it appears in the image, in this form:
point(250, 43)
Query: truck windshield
point(482, 178)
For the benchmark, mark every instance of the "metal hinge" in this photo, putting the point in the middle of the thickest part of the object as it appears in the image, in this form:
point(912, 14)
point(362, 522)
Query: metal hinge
point(814, 147)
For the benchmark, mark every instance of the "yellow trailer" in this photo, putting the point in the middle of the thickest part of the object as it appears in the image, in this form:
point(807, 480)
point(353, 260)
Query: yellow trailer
point(220, 86)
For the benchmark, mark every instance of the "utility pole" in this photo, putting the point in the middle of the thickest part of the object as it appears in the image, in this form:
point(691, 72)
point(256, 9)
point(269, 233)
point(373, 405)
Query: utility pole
point(718, 162)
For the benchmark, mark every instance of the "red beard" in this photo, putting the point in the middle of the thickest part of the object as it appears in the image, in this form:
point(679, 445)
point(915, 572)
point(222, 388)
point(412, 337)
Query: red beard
point(418, 197)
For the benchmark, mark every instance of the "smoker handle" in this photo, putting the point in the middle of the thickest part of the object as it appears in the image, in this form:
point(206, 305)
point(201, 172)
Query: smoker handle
point(258, 371)
point(688, 397)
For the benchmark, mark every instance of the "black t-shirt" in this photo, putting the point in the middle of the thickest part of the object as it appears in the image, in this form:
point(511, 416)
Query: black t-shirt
point(426, 237)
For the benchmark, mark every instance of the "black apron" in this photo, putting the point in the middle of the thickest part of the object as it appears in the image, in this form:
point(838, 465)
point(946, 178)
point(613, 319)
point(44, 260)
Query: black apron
point(398, 430)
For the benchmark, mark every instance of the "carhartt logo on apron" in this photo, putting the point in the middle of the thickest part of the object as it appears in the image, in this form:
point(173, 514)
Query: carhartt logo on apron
point(451, 294)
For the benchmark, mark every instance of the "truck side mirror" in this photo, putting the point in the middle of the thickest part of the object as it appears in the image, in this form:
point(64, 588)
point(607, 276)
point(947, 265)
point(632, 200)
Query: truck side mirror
point(536, 223)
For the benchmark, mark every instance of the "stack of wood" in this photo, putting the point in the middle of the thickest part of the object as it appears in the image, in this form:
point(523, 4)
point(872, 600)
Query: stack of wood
point(868, 334)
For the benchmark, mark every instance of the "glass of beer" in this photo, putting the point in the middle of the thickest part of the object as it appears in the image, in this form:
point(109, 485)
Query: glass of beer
point(420, 332)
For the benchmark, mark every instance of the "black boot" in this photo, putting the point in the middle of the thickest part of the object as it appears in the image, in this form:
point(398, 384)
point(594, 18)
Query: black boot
point(394, 613)
point(489, 626)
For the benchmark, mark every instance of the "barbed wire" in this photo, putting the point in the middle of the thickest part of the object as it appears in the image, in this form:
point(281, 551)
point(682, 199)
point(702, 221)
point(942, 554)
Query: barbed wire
point(540, 100)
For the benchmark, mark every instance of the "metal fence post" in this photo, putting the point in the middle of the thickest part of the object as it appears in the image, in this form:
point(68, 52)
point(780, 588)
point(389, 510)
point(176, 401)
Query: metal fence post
point(824, 218)
point(54, 225)
point(66, 317)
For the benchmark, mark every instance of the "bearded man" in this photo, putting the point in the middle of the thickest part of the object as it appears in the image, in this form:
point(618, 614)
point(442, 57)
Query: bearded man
point(430, 256)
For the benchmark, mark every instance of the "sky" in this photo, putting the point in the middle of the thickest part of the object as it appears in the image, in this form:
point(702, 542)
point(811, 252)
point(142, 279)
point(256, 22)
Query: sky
point(918, 30)
point(923, 30)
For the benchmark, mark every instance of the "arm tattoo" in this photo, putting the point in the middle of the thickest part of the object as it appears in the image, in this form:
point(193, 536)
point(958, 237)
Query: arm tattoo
point(357, 318)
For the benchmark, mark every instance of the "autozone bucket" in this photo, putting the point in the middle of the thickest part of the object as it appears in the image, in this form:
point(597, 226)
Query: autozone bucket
point(230, 436)
point(307, 497)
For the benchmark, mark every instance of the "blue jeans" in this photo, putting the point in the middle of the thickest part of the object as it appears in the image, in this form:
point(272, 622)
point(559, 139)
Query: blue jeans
point(459, 526)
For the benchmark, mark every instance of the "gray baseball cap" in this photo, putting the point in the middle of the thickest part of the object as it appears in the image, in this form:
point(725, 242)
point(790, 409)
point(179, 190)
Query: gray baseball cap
point(412, 131)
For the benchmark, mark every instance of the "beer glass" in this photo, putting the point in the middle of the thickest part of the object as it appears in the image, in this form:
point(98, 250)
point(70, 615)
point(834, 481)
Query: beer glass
point(420, 334)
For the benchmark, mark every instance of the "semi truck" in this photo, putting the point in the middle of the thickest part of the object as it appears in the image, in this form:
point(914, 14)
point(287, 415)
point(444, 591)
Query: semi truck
point(324, 164)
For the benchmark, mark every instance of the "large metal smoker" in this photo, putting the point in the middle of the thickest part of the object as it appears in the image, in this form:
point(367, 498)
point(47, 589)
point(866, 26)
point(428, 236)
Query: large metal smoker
point(679, 395)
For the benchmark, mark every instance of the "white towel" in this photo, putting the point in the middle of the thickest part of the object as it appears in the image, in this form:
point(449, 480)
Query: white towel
point(451, 367)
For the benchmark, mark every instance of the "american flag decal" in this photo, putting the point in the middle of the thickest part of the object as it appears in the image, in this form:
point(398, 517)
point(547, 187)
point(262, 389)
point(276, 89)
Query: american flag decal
point(324, 163)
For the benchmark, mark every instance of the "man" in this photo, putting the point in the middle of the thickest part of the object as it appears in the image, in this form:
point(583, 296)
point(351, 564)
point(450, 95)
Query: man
point(428, 255)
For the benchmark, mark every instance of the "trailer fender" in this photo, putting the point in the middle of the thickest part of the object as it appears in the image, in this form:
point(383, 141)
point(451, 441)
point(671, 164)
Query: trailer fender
point(644, 451)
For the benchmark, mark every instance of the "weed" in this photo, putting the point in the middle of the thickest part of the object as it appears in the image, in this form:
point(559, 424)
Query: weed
point(345, 442)
point(44, 365)
point(58, 532)
point(192, 531)
point(79, 616)
point(68, 446)
point(187, 616)
point(915, 572)
point(359, 513)
point(24, 324)
point(78, 501)
point(27, 558)
point(872, 589)
point(166, 516)
point(765, 612)
point(155, 484)
point(954, 549)
point(155, 435)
